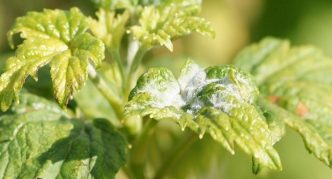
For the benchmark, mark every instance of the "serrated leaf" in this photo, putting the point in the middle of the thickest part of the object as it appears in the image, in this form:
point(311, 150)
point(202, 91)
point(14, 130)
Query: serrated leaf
point(218, 101)
point(297, 82)
point(274, 120)
point(109, 27)
point(42, 143)
point(158, 25)
point(54, 37)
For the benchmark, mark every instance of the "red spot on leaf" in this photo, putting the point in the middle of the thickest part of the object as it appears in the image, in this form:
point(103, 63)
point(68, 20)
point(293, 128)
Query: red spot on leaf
point(274, 99)
point(301, 109)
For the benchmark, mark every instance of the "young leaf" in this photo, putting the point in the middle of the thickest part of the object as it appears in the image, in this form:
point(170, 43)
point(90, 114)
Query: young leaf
point(53, 37)
point(42, 143)
point(297, 81)
point(217, 100)
point(158, 25)
point(109, 27)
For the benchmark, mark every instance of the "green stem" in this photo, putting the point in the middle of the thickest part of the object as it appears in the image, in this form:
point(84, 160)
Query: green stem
point(175, 155)
point(104, 89)
point(137, 60)
point(115, 54)
point(133, 67)
point(139, 149)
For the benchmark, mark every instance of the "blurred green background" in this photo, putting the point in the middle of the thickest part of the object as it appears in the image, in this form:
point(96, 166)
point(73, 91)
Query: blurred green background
point(237, 23)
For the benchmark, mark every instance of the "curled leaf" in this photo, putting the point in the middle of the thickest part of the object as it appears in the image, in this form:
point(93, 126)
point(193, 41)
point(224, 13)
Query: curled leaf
point(219, 101)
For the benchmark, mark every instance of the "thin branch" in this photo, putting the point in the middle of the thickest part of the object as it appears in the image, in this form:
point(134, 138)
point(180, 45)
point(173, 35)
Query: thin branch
point(139, 149)
point(175, 155)
point(115, 54)
point(104, 89)
point(133, 67)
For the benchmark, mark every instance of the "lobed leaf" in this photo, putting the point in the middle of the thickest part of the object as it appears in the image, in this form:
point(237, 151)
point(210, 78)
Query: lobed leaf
point(297, 82)
point(218, 101)
point(43, 143)
point(158, 25)
point(54, 37)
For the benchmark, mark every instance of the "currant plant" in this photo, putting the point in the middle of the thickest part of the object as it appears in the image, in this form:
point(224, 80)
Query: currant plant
point(93, 62)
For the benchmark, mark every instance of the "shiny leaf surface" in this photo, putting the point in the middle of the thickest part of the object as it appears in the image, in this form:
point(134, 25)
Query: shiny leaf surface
point(54, 37)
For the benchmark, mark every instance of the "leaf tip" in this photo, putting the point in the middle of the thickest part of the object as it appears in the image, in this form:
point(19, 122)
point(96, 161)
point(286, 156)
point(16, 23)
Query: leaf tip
point(10, 35)
point(169, 45)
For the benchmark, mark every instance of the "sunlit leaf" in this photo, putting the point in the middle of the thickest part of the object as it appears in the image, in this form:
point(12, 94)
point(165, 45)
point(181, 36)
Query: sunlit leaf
point(297, 82)
point(158, 25)
point(218, 101)
point(53, 37)
point(109, 27)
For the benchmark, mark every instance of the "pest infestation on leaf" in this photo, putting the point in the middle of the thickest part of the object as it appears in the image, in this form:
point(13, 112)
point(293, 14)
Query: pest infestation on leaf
point(97, 60)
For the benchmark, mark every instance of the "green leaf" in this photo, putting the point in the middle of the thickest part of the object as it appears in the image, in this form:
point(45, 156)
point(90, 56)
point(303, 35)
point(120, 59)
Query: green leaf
point(274, 120)
point(297, 82)
point(30, 102)
point(43, 143)
point(54, 37)
point(109, 27)
point(158, 25)
point(218, 101)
